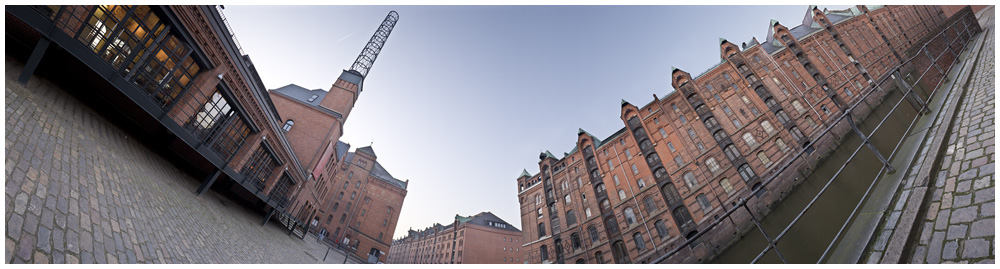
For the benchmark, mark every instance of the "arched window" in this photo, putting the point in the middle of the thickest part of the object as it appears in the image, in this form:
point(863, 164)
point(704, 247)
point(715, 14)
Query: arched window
point(288, 125)
point(678, 160)
point(703, 202)
point(629, 216)
point(746, 172)
point(593, 233)
point(620, 252)
point(570, 218)
point(767, 127)
point(600, 188)
point(726, 186)
point(335, 206)
point(650, 204)
point(640, 244)
point(671, 147)
point(798, 106)
point(713, 166)
point(719, 135)
point(621, 194)
point(544, 252)
point(731, 152)
point(770, 103)
point(751, 142)
point(611, 224)
point(763, 159)
point(660, 173)
point(587, 211)
point(670, 193)
point(541, 229)
point(574, 238)
point(353, 193)
point(599, 256)
point(781, 144)
point(343, 217)
point(682, 216)
point(711, 123)
point(689, 180)
point(538, 199)
point(661, 229)
point(782, 116)
point(340, 196)
point(567, 199)
point(653, 158)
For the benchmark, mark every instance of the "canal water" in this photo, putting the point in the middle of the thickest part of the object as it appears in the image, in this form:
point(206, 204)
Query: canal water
point(810, 236)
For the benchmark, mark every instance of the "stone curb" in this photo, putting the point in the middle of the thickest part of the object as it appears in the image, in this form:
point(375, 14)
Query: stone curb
point(914, 204)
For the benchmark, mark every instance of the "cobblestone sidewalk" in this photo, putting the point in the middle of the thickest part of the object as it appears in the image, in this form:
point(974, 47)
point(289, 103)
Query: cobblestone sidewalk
point(78, 190)
point(960, 221)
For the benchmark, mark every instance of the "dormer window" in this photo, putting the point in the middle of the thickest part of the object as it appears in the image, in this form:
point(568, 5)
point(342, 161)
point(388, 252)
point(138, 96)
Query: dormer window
point(288, 125)
point(313, 98)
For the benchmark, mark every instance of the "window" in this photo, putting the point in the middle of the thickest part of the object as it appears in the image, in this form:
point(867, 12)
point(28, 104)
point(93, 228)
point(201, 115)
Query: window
point(725, 185)
point(628, 154)
point(538, 199)
point(798, 106)
point(674, 107)
point(340, 196)
point(709, 86)
point(615, 177)
point(663, 133)
point(566, 198)
point(639, 244)
point(690, 180)
point(353, 193)
point(575, 239)
point(726, 75)
point(565, 185)
point(713, 166)
point(570, 218)
point(579, 182)
point(593, 233)
point(621, 194)
point(650, 204)
point(671, 147)
point(781, 144)
point(629, 216)
point(767, 127)
point(692, 134)
point(343, 217)
point(587, 211)
point(737, 123)
point(737, 88)
point(703, 203)
point(751, 142)
point(678, 160)
point(640, 183)
point(313, 98)
point(611, 166)
point(656, 120)
point(683, 119)
point(335, 206)
point(541, 229)
point(746, 173)
point(600, 257)
point(810, 123)
point(661, 229)
point(368, 200)
point(288, 125)
point(349, 175)
point(763, 159)
point(727, 110)
point(362, 212)
point(635, 170)
point(717, 98)
point(357, 185)
point(539, 213)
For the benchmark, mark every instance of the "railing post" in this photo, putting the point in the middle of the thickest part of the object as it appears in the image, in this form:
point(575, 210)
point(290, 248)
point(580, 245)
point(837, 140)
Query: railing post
point(864, 139)
point(770, 242)
point(933, 60)
point(911, 96)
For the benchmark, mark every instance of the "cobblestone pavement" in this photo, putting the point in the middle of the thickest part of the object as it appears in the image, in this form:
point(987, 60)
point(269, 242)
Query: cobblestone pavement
point(960, 224)
point(78, 190)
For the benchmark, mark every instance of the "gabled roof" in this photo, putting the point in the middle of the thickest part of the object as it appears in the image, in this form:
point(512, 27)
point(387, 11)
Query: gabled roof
point(302, 95)
point(367, 150)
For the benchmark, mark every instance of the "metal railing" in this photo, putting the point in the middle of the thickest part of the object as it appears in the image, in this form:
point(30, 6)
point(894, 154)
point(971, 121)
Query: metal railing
point(962, 31)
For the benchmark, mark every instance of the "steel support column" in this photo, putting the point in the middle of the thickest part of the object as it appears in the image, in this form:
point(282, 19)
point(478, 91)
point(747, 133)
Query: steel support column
point(205, 185)
point(33, 60)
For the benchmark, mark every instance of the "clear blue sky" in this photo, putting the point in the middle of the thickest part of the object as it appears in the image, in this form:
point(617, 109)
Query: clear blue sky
point(464, 97)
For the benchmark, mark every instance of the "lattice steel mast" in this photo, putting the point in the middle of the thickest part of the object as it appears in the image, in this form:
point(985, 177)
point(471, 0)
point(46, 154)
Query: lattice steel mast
point(374, 46)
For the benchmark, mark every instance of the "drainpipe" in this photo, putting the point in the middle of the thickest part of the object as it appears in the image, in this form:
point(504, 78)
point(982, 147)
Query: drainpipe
point(625, 173)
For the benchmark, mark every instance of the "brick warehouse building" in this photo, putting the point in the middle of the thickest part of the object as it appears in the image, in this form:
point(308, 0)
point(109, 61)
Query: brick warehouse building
point(684, 159)
point(480, 239)
point(180, 78)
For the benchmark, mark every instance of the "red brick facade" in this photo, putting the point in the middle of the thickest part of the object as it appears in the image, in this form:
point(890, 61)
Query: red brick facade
point(480, 239)
point(682, 160)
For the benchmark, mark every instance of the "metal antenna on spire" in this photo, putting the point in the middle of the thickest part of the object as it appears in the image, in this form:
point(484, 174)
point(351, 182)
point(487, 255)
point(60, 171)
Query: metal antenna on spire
point(374, 46)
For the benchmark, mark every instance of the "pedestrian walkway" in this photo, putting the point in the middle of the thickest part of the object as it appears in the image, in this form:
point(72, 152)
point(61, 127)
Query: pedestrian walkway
point(80, 190)
point(959, 223)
